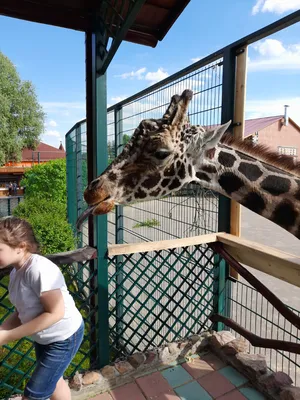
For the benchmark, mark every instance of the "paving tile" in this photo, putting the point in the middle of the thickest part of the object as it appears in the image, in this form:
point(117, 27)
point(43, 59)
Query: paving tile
point(130, 391)
point(103, 396)
point(176, 376)
point(198, 368)
point(233, 376)
point(154, 384)
point(192, 391)
point(216, 384)
point(213, 361)
point(252, 394)
point(163, 396)
point(235, 395)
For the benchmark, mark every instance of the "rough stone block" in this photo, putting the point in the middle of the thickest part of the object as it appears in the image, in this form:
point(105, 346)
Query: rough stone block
point(253, 365)
point(91, 377)
point(290, 393)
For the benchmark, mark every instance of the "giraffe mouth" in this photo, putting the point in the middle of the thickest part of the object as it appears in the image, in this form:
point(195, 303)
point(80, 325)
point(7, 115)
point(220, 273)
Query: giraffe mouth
point(101, 208)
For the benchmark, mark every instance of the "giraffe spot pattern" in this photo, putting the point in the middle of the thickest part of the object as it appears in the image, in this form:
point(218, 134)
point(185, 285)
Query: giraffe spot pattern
point(285, 214)
point(230, 182)
point(276, 185)
point(245, 157)
point(190, 170)
point(202, 176)
point(297, 194)
point(170, 171)
point(181, 172)
point(152, 181)
point(112, 176)
point(140, 194)
point(165, 182)
point(226, 159)
point(155, 193)
point(254, 202)
point(250, 171)
point(174, 184)
point(211, 169)
point(277, 170)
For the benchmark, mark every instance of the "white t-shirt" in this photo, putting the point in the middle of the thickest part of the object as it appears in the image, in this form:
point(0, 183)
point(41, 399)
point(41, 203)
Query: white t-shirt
point(25, 288)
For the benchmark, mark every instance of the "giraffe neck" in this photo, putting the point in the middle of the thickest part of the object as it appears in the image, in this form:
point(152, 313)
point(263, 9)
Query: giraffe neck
point(263, 188)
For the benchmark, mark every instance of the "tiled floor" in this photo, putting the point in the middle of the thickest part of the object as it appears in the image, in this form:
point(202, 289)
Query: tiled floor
point(204, 378)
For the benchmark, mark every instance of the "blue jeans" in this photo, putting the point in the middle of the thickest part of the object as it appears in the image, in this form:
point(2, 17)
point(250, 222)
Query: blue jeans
point(52, 361)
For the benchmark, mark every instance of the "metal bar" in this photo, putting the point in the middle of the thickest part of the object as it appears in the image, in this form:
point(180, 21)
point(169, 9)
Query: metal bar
point(71, 180)
point(261, 288)
point(253, 37)
point(119, 233)
point(130, 18)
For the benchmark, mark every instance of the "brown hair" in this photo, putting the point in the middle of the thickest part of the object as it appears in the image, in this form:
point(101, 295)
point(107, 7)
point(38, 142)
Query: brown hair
point(14, 231)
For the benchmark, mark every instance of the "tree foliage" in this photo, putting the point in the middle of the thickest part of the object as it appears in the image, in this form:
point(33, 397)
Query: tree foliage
point(45, 208)
point(21, 116)
point(47, 181)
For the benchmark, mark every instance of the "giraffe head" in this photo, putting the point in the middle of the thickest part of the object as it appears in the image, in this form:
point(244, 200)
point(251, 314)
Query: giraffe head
point(160, 158)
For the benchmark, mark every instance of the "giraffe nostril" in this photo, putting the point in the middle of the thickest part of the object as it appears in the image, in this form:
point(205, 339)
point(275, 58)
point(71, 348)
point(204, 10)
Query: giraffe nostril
point(94, 184)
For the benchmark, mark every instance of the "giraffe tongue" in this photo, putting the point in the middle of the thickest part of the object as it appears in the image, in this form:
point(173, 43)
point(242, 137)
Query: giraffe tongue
point(102, 208)
point(82, 217)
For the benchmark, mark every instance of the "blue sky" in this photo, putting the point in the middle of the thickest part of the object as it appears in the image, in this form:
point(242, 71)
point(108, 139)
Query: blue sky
point(53, 59)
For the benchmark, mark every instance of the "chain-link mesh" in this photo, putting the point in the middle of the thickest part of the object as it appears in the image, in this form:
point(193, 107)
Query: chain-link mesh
point(8, 204)
point(192, 210)
point(253, 312)
point(18, 358)
point(160, 296)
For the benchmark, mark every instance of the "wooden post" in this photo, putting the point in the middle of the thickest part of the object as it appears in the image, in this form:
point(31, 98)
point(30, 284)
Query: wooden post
point(238, 132)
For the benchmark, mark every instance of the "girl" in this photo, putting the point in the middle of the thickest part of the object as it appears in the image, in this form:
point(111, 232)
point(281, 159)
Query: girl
point(44, 310)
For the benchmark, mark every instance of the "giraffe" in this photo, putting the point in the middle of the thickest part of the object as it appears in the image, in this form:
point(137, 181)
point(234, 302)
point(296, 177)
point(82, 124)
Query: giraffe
point(164, 155)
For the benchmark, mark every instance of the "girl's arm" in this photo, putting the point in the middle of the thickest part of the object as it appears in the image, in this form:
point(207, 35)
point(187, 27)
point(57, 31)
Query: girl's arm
point(11, 322)
point(54, 307)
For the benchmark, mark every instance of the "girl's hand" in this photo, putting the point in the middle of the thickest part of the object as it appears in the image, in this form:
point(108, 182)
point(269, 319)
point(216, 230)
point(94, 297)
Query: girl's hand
point(4, 337)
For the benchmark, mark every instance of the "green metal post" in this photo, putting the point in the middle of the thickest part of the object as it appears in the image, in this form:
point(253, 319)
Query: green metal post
point(228, 90)
point(97, 162)
point(118, 118)
point(71, 180)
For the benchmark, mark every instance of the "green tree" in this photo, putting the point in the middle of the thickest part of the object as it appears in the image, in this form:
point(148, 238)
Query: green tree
point(21, 116)
point(45, 207)
point(47, 181)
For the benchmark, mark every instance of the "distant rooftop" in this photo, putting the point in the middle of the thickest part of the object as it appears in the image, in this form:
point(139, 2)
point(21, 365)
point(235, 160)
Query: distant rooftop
point(257, 124)
point(46, 153)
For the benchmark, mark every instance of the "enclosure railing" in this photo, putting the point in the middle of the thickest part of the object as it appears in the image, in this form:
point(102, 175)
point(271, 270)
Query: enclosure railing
point(8, 204)
point(18, 358)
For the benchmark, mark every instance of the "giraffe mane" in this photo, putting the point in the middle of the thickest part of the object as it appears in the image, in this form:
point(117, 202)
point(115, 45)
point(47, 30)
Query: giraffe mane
point(263, 153)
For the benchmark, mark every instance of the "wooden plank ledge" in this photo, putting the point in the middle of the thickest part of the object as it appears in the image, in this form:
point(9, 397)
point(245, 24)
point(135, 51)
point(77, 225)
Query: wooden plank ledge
point(119, 249)
point(279, 264)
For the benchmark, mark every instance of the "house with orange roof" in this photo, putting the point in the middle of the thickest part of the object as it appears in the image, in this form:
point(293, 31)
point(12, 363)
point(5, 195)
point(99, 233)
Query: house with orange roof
point(13, 171)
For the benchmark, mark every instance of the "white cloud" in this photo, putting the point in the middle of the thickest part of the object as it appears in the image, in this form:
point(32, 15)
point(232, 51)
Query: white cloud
point(142, 73)
point(275, 6)
point(52, 123)
point(273, 55)
point(157, 76)
point(62, 106)
point(268, 108)
point(139, 74)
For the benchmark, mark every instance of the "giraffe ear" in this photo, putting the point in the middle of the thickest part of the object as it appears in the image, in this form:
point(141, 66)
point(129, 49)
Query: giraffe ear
point(213, 136)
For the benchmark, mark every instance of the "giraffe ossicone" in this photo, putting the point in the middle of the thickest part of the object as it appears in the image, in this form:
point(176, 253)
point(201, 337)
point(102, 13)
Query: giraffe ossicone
point(165, 154)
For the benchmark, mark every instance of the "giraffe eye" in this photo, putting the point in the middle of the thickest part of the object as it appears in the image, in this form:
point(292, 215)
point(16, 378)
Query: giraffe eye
point(162, 154)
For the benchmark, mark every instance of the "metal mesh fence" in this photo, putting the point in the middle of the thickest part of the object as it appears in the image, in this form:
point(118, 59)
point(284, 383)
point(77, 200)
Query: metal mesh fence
point(8, 204)
point(252, 311)
point(192, 210)
point(18, 358)
point(76, 155)
point(160, 296)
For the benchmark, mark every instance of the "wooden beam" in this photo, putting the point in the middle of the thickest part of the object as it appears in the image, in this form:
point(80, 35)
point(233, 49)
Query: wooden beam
point(119, 249)
point(279, 264)
point(238, 133)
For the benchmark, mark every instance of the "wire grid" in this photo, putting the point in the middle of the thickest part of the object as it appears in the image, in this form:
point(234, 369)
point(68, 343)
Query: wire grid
point(18, 358)
point(76, 150)
point(250, 309)
point(192, 210)
point(160, 296)
point(8, 204)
